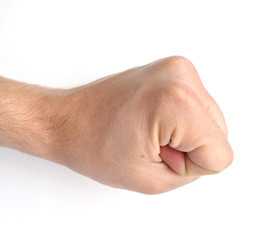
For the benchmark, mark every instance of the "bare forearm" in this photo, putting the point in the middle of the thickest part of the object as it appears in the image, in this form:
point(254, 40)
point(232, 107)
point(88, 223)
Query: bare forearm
point(25, 111)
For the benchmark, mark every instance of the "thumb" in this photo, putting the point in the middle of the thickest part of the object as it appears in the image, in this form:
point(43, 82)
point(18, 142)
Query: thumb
point(197, 161)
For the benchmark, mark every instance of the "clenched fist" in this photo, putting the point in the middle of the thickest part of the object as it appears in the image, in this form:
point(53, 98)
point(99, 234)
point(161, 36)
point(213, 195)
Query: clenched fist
point(149, 129)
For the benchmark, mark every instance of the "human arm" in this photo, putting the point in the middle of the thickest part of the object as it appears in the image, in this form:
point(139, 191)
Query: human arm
point(149, 129)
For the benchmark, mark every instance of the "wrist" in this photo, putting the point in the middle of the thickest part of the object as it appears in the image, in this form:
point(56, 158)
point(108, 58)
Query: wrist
point(66, 124)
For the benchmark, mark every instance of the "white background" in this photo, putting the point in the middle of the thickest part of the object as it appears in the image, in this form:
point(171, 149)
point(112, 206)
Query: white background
point(61, 43)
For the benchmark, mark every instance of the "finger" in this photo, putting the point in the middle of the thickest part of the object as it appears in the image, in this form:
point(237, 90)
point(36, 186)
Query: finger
point(211, 106)
point(181, 163)
point(197, 135)
point(216, 113)
point(174, 159)
point(186, 71)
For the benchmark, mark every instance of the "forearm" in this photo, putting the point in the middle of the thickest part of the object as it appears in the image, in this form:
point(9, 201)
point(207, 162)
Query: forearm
point(25, 114)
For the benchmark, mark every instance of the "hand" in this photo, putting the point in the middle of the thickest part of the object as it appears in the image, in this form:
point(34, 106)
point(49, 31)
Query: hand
point(149, 129)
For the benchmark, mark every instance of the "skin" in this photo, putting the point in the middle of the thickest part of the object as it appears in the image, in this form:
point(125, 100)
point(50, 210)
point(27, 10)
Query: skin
point(149, 129)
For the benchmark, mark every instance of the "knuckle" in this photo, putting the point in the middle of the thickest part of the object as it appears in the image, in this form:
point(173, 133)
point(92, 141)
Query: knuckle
point(180, 94)
point(176, 64)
